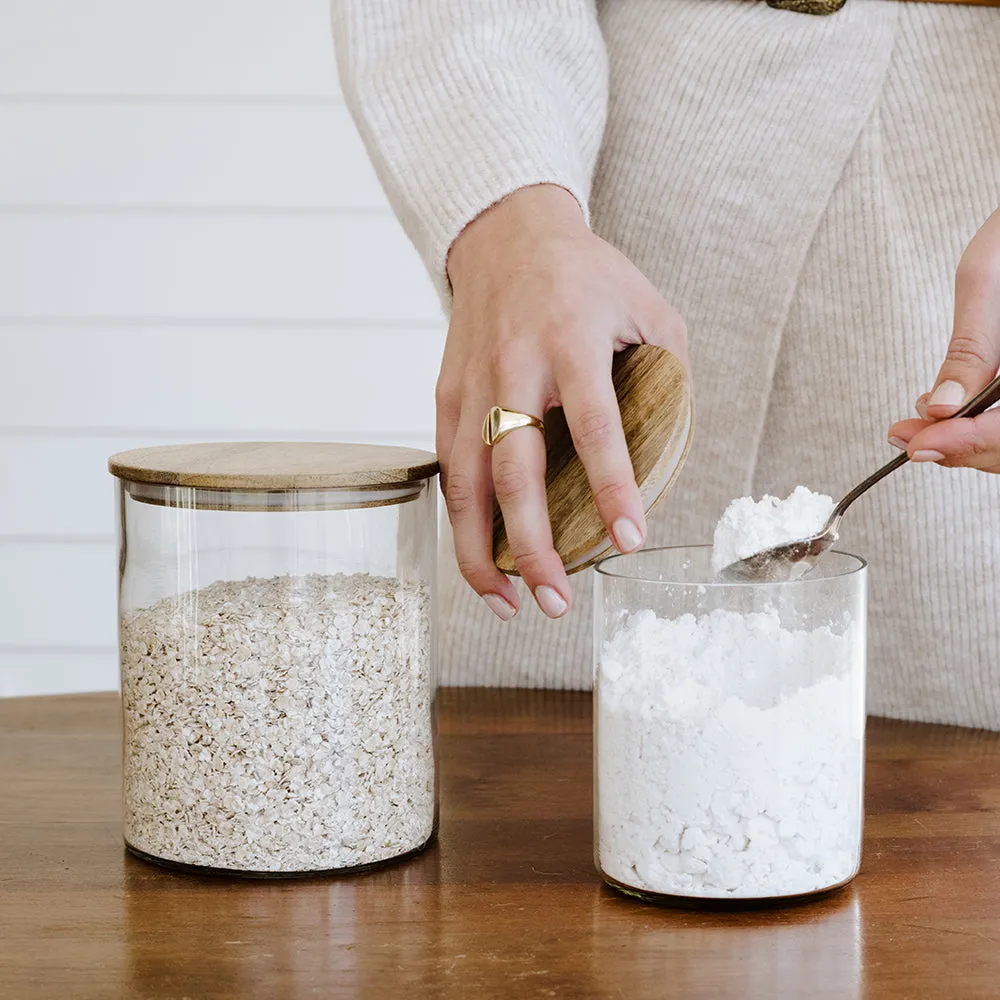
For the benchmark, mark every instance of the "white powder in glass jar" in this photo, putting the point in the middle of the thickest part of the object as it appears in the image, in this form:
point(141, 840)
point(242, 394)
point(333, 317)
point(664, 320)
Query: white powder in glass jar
point(729, 755)
point(280, 725)
point(748, 527)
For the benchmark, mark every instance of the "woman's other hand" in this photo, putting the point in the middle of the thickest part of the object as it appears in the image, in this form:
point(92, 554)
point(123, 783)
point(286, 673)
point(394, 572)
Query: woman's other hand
point(540, 306)
point(972, 361)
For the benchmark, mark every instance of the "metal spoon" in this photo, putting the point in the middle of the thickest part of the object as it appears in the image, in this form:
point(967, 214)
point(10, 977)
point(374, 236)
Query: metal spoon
point(794, 559)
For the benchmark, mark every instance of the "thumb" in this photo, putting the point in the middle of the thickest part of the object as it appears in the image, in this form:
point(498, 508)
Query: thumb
point(974, 352)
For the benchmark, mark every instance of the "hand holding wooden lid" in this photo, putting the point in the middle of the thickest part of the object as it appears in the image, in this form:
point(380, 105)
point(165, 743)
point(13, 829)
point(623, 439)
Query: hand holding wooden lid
point(654, 398)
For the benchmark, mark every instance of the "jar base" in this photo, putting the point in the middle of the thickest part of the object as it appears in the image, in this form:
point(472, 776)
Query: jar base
point(723, 902)
point(237, 873)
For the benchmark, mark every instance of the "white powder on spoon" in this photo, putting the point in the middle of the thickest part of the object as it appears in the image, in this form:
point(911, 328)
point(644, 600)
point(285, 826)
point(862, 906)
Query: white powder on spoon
point(748, 527)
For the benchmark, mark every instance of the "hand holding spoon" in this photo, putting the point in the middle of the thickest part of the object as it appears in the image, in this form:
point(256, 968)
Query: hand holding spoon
point(794, 559)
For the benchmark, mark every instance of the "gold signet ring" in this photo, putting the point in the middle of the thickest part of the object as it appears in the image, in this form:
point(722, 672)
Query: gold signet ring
point(500, 422)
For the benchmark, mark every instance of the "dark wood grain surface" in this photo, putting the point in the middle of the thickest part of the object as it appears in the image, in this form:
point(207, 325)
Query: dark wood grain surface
point(507, 902)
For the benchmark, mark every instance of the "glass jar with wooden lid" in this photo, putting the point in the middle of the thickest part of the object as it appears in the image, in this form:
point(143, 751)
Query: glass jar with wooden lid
point(276, 614)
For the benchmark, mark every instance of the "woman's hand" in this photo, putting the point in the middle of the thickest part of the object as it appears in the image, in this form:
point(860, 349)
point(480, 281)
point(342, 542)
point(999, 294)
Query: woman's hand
point(972, 360)
point(540, 306)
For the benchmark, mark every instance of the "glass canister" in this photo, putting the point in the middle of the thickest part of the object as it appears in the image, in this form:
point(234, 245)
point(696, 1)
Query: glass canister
point(729, 728)
point(276, 634)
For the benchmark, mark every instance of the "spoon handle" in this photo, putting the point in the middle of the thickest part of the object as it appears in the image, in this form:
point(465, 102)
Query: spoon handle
point(978, 404)
point(838, 512)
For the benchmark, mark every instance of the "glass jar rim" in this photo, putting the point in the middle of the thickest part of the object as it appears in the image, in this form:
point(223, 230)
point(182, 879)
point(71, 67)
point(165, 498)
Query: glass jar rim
point(602, 567)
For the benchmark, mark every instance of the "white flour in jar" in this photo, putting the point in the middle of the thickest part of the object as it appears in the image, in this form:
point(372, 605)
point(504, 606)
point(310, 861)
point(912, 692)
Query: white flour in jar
point(748, 527)
point(729, 755)
point(280, 725)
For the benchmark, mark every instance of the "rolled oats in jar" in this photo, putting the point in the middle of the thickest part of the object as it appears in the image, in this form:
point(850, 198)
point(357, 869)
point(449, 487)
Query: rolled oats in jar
point(277, 655)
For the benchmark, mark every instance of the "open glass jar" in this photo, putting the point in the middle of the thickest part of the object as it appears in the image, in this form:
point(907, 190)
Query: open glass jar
point(729, 728)
point(276, 623)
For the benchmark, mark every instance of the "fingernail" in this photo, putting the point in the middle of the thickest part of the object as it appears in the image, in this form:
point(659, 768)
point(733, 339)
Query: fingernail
point(628, 537)
point(550, 601)
point(926, 456)
point(898, 443)
point(947, 394)
point(501, 607)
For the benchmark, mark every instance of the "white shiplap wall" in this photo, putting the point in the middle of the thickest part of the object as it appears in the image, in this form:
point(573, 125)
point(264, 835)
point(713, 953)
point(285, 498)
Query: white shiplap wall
point(192, 246)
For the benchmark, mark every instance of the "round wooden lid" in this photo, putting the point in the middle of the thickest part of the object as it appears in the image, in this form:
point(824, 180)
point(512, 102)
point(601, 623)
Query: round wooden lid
point(275, 465)
point(654, 397)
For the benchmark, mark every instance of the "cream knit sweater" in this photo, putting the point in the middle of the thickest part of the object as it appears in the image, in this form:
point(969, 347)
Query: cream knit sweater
point(801, 189)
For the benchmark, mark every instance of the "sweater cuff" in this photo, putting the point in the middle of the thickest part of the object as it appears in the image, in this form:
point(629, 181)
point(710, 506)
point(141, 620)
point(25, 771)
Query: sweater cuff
point(472, 139)
point(437, 196)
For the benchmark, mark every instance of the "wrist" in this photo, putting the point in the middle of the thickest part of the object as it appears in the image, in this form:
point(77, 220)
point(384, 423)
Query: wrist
point(535, 210)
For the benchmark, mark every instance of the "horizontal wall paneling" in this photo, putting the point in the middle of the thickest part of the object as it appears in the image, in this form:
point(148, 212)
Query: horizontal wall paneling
point(192, 378)
point(163, 265)
point(190, 47)
point(58, 596)
point(44, 671)
point(210, 154)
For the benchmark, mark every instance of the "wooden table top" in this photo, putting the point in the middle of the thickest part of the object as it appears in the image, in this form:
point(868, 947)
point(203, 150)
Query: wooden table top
point(507, 902)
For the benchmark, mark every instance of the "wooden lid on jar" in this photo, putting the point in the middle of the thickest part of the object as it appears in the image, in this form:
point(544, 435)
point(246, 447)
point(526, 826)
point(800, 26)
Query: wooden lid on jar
point(654, 397)
point(275, 465)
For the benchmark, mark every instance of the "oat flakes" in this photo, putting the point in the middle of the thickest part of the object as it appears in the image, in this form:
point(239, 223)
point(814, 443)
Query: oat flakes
point(280, 725)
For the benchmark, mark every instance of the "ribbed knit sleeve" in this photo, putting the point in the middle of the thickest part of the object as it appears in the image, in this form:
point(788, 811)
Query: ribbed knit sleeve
point(461, 102)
